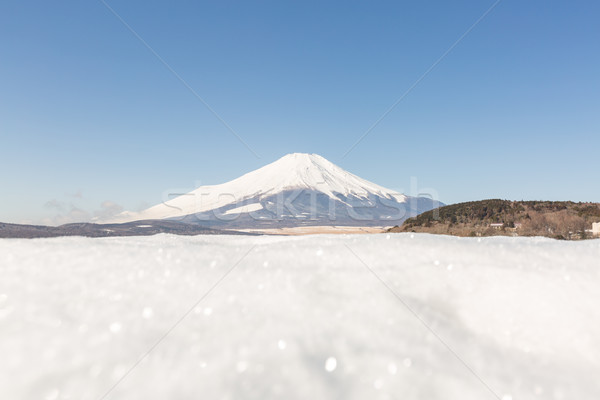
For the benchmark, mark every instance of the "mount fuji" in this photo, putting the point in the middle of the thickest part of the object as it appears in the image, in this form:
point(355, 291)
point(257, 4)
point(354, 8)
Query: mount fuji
point(296, 190)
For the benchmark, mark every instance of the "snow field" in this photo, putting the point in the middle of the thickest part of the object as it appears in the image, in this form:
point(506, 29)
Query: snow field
point(300, 317)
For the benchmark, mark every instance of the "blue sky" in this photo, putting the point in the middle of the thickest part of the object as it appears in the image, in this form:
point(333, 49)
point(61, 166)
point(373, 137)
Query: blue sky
point(91, 120)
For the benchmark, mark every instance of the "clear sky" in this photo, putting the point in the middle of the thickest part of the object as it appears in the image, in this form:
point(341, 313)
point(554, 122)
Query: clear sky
point(92, 121)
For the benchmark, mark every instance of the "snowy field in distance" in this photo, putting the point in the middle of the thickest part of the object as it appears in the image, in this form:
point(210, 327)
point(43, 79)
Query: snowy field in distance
point(300, 318)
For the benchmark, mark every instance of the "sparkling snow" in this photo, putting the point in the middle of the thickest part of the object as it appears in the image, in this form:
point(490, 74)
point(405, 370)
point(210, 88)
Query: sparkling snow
point(310, 317)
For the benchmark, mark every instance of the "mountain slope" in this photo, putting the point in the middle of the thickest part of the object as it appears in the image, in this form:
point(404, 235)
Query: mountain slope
point(297, 189)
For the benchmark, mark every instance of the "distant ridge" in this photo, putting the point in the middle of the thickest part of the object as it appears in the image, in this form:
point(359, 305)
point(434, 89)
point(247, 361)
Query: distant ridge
point(555, 219)
point(138, 228)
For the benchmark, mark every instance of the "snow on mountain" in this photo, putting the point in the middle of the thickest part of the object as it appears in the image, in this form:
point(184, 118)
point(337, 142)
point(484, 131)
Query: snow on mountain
point(297, 188)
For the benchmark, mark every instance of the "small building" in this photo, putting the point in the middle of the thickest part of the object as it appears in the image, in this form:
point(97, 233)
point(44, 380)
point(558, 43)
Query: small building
point(596, 228)
point(496, 225)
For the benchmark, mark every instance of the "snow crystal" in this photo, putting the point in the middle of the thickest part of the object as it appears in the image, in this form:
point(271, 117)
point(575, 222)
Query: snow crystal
point(52, 394)
point(392, 368)
point(378, 384)
point(147, 312)
point(241, 366)
point(115, 327)
point(330, 364)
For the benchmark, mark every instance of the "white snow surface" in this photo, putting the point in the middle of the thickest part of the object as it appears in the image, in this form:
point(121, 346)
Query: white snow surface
point(291, 172)
point(309, 317)
point(244, 209)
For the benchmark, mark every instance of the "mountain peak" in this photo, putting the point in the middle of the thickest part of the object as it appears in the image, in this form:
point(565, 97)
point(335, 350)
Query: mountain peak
point(309, 171)
point(303, 159)
point(300, 155)
point(311, 174)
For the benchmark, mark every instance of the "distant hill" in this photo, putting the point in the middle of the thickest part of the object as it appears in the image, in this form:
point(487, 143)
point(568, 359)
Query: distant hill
point(556, 219)
point(137, 228)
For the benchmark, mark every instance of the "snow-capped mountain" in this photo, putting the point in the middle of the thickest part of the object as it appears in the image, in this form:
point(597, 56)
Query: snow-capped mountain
point(298, 189)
